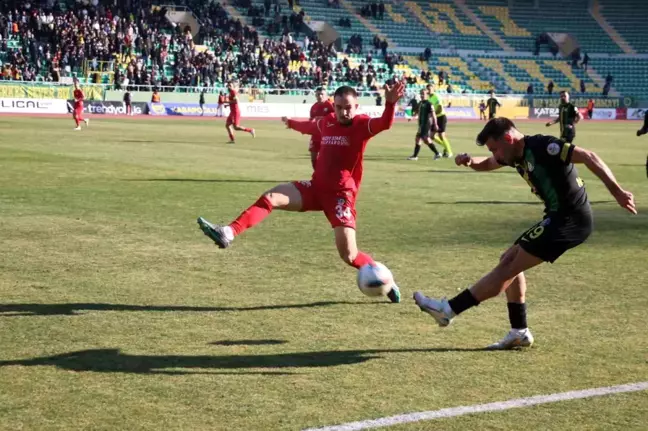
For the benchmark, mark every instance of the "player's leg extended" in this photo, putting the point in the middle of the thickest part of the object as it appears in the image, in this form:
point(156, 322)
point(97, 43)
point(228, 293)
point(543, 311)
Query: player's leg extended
point(345, 241)
point(238, 127)
point(417, 148)
point(514, 262)
point(430, 144)
point(284, 196)
point(244, 129)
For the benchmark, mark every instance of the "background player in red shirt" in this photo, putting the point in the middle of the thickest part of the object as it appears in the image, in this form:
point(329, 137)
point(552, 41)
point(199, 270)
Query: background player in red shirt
point(234, 117)
point(77, 114)
point(221, 102)
point(335, 183)
point(321, 108)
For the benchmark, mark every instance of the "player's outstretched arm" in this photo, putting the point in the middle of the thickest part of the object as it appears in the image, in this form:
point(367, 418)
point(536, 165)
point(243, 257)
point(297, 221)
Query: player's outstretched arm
point(598, 167)
point(305, 127)
point(392, 96)
point(482, 164)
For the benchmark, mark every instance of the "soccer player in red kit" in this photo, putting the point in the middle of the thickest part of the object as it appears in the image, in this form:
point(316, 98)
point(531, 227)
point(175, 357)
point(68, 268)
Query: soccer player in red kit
point(321, 108)
point(77, 114)
point(335, 182)
point(234, 118)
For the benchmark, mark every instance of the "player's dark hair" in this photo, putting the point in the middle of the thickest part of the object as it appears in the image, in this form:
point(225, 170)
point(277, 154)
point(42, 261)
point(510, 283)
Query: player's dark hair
point(319, 89)
point(345, 90)
point(494, 129)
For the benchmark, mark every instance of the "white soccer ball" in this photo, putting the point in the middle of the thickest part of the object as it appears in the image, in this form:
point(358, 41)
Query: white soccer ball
point(375, 279)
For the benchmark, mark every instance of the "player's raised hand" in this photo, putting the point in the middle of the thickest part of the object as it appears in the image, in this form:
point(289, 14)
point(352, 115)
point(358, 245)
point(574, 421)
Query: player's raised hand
point(393, 93)
point(626, 200)
point(463, 159)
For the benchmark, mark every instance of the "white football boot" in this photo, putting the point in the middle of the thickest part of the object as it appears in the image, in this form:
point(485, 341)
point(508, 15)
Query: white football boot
point(439, 309)
point(515, 338)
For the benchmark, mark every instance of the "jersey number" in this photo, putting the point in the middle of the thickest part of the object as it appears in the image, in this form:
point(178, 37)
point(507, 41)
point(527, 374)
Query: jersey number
point(534, 232)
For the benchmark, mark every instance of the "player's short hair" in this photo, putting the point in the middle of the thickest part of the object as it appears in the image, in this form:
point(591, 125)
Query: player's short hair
point(565, 92)
point(494, 129)
point(345, 90)
point(320, 90)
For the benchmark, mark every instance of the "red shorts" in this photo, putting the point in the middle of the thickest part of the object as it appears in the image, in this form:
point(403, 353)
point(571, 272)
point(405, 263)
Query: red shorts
point(78, 111)
point(338, 207)
point(314, 145)
point(234, 118)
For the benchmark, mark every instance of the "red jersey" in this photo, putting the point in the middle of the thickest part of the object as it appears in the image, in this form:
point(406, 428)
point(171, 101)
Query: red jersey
point(78, 98)
point(233, 100)
point(321, 109)
point(339, 163)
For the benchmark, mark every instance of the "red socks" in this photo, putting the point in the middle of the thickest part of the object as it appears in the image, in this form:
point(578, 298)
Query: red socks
point(361, 260)
point(245, 129)
point(252, 216)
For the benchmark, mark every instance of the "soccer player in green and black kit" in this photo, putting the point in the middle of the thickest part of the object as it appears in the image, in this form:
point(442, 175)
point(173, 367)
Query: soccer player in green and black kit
point(547, 165)
point(424, 124)
point(439, 122)
point(568, 116)
point(492, 103)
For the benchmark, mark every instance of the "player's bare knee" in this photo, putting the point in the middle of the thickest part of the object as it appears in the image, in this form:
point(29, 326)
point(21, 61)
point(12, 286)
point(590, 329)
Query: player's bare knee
point(506, 269)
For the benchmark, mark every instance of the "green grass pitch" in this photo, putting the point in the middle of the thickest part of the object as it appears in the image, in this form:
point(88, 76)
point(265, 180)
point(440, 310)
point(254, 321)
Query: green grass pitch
point(117, 313)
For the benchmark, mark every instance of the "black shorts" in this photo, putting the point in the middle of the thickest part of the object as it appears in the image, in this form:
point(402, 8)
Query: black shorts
point(423, 130)
point(441, 124)
point(555, 234)
point(569, 134)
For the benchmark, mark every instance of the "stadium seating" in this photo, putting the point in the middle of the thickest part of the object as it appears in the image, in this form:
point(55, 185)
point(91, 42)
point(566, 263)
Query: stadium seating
point(525, 22)
point(629, 19)
point(466, 37)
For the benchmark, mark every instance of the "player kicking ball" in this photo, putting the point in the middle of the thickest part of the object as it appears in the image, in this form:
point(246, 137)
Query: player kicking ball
point(547, 164)
point(336, 180)
point(234, 119)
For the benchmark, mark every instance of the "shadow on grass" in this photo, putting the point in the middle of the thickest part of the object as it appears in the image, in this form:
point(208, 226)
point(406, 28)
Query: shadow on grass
point(456, 171)
point(73, 309)
point(201, 180)
point(114, 361)
point(248, 342)
point(504, 202)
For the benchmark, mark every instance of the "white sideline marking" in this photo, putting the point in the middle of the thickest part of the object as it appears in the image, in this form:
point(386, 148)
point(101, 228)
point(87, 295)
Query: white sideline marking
point(480, 408)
